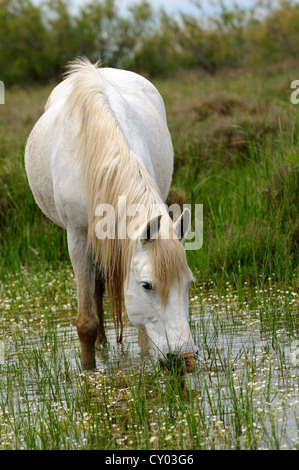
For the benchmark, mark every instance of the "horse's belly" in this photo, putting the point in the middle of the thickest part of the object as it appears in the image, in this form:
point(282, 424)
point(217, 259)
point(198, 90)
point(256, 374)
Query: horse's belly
point(52, 175)
point(38, 169)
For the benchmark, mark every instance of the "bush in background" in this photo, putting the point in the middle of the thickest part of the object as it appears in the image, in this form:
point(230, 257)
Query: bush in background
point(36, 41)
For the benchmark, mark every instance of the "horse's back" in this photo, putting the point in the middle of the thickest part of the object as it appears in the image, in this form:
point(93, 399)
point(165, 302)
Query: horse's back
point(140, 112)
point(128, 84)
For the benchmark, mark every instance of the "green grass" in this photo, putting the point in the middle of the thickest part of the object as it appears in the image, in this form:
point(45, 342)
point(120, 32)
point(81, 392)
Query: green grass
point(236, 152)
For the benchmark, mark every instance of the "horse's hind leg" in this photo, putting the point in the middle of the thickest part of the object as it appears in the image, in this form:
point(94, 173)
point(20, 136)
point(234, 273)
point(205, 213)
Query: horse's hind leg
point(99, 293)
point(87, 321)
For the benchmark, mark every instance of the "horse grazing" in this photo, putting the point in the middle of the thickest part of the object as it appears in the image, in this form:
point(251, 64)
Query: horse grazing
point(103, 141)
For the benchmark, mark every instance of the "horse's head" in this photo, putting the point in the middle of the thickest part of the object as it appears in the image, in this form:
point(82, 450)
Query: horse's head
point(157, 293)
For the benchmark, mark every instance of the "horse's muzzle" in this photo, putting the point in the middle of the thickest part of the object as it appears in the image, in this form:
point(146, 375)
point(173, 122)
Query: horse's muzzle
point(182, 363)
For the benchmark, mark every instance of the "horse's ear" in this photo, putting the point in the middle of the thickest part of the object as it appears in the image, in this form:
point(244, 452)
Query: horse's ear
point(182, 225)
point(151, 230)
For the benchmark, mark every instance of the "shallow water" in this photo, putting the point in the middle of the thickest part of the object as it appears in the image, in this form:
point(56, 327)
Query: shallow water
point(245, 359)
point(258, 342)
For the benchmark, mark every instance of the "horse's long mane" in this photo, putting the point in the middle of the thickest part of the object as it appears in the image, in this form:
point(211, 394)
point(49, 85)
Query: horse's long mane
point(109, 170)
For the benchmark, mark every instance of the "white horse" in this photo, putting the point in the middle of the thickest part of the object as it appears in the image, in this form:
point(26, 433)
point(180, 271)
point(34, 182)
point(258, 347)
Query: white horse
point(103, 136)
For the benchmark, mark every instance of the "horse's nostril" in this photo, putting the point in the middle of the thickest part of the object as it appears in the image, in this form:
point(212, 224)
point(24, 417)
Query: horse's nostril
point(189, 360)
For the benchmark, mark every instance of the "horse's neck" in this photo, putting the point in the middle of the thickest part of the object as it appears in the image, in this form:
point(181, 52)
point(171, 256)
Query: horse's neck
point(150, 197)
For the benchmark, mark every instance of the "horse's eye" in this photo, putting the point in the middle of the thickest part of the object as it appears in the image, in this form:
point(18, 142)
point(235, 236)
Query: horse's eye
point(147, 285)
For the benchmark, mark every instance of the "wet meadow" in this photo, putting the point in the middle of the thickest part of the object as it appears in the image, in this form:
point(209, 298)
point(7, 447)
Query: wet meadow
point(236, 152)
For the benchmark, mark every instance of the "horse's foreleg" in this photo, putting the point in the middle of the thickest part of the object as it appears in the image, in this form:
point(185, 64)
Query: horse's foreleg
point(99, 292)
point(87, 321)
